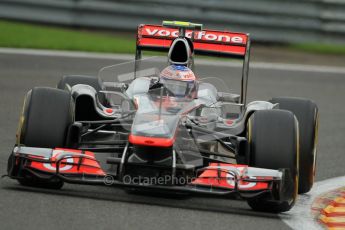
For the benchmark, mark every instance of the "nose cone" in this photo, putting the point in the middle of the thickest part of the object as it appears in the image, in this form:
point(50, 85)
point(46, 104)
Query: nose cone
point(180, 52)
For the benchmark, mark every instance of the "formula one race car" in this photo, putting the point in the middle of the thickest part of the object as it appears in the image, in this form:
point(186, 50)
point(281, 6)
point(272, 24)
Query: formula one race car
point(154, 125)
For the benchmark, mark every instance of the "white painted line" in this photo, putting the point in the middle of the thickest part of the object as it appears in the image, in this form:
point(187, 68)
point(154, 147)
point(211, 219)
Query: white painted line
point(72, 54)
point(298, 67)
point(300, 216)
point(128, 57)
point(277, 66)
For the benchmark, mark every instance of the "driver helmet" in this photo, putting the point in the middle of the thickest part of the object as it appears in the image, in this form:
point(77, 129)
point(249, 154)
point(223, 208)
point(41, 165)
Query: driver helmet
point(179, 81)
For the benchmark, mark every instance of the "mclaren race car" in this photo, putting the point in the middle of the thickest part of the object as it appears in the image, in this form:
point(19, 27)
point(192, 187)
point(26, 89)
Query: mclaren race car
point(163, 125)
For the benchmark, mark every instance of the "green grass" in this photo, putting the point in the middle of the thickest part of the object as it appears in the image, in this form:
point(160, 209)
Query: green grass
point(320, 48)
point(22, 35)
point(25, 35)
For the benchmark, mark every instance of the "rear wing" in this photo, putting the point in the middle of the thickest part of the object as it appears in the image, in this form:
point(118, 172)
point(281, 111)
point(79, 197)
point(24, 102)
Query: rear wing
point(205, 42)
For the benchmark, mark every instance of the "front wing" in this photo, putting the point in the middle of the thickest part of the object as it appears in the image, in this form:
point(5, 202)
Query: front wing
point(82, 167)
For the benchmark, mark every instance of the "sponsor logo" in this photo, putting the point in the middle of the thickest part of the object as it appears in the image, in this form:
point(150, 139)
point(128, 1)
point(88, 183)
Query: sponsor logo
point(230, 179)
point(199, 35)
point(66, 167)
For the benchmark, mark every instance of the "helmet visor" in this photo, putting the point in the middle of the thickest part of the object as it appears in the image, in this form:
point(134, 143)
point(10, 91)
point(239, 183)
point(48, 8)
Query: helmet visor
point(178, 88)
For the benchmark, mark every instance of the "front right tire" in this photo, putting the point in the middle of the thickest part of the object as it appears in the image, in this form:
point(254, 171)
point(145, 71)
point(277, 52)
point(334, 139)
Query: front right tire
point(273, 142)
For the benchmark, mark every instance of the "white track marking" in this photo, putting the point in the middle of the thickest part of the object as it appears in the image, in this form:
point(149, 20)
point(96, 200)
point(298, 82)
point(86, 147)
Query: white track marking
point(277, 66)
point(128, 57)
point(300, 216)
point(298, 67)
point(72, 54)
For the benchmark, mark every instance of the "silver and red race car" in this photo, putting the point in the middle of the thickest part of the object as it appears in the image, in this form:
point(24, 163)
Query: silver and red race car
point(158, 124)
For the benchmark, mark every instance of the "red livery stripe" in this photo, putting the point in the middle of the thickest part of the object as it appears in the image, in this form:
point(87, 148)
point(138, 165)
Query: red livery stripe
point(151, 141)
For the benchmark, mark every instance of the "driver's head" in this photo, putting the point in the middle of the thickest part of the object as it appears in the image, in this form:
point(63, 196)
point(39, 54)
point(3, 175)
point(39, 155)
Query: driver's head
point(179, 81)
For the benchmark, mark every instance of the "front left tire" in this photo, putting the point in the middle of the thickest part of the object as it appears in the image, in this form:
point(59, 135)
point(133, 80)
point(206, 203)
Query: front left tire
point(46, 116)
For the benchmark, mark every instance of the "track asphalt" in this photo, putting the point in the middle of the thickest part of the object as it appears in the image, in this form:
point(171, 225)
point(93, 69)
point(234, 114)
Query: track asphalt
point(87, 207)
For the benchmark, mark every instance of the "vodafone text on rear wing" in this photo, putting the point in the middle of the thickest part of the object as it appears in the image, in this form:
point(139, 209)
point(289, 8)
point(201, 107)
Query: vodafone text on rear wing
point(205, 42)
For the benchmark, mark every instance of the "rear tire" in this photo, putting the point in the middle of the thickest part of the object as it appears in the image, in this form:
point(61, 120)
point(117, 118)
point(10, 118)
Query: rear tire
point(46, 116)
point(307, 115)
point(273, 136)
point(72, 80)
